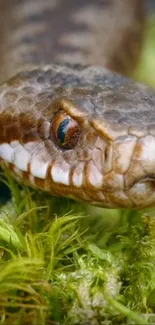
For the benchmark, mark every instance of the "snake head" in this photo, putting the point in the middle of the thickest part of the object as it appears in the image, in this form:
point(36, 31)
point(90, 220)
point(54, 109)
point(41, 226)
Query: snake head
point(80, 132)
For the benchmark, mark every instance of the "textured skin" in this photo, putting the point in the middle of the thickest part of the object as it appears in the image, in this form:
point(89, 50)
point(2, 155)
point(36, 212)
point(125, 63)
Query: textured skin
point(113, 163)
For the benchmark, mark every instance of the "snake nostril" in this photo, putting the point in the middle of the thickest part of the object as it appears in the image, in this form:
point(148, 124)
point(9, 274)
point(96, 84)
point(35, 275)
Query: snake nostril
point(106, 153)
point(107, 156)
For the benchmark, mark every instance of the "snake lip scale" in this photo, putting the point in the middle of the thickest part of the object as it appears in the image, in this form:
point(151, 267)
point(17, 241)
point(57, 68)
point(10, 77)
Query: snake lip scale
point(110, 160)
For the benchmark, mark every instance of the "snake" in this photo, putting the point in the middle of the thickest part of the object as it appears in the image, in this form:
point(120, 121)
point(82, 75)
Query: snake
point(72, 121)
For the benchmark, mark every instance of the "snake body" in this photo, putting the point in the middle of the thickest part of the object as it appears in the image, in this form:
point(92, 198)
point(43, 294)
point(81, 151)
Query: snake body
point(77, 130)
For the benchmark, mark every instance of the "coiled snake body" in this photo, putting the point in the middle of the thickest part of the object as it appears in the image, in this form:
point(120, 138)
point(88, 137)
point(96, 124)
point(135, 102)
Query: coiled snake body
point(73, 130)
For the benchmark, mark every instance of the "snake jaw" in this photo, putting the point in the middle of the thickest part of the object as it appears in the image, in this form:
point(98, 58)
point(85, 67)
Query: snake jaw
point(125, 184)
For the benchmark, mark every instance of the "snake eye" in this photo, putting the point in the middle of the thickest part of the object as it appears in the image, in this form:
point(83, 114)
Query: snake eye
point(66, 131)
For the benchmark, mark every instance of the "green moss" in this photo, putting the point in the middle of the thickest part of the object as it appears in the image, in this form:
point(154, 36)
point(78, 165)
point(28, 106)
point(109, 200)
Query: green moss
point(60, 264)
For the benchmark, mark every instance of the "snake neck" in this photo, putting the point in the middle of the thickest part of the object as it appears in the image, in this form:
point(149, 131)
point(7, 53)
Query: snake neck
point(107, 33)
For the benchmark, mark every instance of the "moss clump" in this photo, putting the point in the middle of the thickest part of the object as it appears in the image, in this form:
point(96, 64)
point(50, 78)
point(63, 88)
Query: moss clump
point(54, 268)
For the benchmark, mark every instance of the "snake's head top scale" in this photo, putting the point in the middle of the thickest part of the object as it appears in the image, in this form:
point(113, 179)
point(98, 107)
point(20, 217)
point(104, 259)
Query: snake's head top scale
point(80, 132)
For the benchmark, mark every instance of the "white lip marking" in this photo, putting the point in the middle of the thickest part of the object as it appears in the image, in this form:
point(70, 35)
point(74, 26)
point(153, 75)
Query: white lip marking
point(6, 152)
point(38, 168)
point(40, 160)
point(77, 177)
point(94, 177)
point(60, 173)
point(21, 158)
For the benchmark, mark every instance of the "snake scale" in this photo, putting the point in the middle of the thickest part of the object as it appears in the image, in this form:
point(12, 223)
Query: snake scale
point(70, 122)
